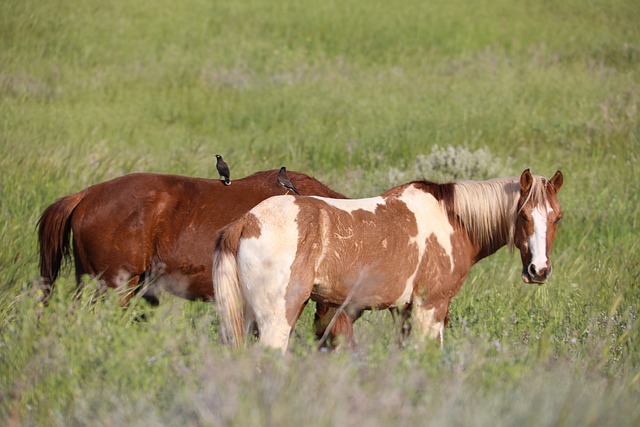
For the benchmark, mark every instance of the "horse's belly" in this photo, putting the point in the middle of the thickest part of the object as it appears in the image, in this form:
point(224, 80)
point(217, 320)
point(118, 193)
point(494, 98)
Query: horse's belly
point(188, 285)
point(364, 288)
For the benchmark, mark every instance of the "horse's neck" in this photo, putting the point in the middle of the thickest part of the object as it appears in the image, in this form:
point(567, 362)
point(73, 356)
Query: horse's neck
point(483, 251)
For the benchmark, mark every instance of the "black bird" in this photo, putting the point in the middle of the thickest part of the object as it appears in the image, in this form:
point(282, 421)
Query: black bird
point(283, 179)
point(223, 170)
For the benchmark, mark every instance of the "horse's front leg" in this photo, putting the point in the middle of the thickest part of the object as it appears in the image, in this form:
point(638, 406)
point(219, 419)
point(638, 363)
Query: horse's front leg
point(427, 323)
point(402, 320)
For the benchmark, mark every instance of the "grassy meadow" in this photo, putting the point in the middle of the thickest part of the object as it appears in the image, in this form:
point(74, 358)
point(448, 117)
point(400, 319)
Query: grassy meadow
point(363, 95)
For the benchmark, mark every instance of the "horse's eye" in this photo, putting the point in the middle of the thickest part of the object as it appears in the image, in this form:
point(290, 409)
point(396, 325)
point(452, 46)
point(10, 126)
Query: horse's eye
point(557, 220)
point(524, 218)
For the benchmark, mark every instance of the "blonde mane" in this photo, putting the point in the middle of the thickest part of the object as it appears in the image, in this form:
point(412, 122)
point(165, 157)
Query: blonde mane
point(488, 209)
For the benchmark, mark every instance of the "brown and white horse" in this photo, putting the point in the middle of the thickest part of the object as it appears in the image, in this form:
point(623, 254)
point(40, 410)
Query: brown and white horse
point(411, 248)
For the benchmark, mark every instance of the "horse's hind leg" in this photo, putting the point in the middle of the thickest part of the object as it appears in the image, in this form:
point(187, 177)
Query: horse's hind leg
point(147, 290)
point(274, 328)
point(127, 289)
point(333, 326)
point(127, 285)
point(277, 318)
point(83, 275)
point(274, 332)
point(402, 320)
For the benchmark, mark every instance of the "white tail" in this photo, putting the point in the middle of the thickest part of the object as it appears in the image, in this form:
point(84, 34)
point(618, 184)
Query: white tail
point(230, 302)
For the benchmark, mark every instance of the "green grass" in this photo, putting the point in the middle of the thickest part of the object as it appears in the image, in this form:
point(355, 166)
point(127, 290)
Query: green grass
point(356, 94)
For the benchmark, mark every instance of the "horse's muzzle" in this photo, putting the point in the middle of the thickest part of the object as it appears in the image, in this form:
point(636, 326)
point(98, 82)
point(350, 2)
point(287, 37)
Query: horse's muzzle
point(530, 275)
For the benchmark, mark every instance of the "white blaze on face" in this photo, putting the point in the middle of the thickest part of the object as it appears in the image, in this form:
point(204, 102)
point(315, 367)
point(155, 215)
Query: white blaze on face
point(537, 242)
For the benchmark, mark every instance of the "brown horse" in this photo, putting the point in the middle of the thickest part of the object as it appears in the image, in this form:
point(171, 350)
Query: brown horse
point(411, 248)
point(156, 230)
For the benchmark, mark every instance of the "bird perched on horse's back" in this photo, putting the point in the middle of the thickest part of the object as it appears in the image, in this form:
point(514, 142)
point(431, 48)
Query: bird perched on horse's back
point(283, 179)
point(223, 170)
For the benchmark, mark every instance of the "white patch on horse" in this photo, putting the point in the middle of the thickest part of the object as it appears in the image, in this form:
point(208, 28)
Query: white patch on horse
point(352, 205)
point(537, 242)
point(326, 233)
point(425, 323)
point(264, 264)
point(121, 280)
point(431, 220)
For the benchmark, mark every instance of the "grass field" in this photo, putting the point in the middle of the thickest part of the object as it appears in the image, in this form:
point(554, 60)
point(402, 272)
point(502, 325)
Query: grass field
point(363, 95)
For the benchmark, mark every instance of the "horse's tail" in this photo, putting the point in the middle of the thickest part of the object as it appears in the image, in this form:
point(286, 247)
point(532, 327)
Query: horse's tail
point(227, 290)
point(54, 231)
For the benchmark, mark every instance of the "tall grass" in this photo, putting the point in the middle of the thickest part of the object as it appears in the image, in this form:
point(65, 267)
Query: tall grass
point(363, 95)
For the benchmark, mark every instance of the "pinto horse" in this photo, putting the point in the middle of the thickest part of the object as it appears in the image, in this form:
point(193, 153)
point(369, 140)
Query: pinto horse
point(153, 229)
point(410, 248)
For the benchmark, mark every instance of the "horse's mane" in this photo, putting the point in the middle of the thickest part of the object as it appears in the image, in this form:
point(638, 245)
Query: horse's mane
point(486, 209)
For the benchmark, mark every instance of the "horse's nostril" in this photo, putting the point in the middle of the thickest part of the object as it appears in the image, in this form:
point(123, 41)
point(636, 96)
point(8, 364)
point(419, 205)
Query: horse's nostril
point(531, 270)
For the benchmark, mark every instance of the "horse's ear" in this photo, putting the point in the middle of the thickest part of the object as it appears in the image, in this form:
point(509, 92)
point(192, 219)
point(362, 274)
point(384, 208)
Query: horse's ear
point(557, 180)
point(526, 181)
